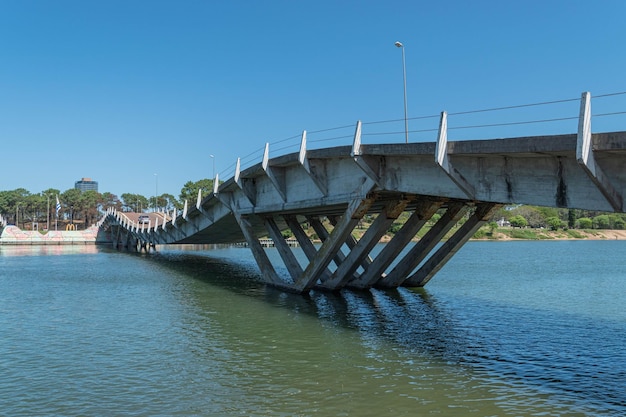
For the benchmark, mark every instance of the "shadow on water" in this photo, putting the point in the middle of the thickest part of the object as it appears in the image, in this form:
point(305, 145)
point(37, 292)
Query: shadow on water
point(523, 346)
point(409, 317)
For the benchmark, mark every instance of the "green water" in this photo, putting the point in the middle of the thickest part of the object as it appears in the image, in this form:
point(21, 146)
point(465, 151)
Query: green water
point(87, 331)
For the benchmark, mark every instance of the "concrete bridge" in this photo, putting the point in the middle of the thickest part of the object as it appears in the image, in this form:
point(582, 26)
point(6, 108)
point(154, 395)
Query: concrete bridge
point(465, 181)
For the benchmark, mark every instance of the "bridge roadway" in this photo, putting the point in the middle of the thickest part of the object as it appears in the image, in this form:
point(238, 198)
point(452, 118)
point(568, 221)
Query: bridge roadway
point(465, 181)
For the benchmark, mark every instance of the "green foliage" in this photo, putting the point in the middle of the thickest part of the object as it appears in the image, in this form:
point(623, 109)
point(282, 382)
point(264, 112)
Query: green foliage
point(532, 215)
point(571, 218)
point(435, 218)
point(395, 227)
point(555, 223)
point(189, 192)
point(574, 234)
point(483, 233)
point(601, 222)
point(518, 221)
point(134, 202)
point(523, 234)
point(584, 223)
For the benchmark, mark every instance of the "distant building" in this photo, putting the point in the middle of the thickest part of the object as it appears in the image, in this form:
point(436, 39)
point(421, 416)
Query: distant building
point(86, 184)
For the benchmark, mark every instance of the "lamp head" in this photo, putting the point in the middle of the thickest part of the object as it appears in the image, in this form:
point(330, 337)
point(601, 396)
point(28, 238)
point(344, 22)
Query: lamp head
point(399, 44)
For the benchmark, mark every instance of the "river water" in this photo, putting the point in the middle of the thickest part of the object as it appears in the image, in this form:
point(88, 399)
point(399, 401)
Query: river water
point(505, 329)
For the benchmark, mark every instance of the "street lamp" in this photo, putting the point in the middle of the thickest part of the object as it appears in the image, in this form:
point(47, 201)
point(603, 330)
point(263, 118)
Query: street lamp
point(406, 123)
point(156, 190)
point(213, 158)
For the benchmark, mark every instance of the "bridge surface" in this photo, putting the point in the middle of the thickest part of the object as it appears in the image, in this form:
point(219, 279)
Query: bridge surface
point(465, 181)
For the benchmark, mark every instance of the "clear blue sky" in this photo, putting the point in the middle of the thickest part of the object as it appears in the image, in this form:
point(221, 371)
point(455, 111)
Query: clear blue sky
point(120, 90)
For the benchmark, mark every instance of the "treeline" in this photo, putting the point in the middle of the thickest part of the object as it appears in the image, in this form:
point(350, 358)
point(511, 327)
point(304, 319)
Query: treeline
point(23, 208)
point(556, 218)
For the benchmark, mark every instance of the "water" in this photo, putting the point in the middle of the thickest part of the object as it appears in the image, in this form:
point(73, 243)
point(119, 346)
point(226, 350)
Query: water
point(505, 329)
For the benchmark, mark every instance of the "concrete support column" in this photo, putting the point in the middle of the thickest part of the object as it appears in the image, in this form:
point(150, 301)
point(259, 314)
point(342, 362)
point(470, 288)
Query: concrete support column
point(331, 246)
point(425, 245)
point(305, 243)
point(451, 246)
point(267, 270)
point(424, 211)
point(346, 270)
point(285, 252)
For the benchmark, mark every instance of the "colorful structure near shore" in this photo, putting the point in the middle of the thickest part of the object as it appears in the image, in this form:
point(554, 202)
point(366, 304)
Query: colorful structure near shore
point(13, 235)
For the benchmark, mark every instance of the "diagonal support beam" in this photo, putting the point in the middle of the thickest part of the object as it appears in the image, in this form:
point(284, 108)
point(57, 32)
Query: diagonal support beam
point(451, 246)
point(324, 234)
point(285, 252)
point(267, 270)
point(363, 247)
point(423, 212)
point(305, 242)
point(351, 243)
point(355, 211)
point(586, 159)
point(425, 245)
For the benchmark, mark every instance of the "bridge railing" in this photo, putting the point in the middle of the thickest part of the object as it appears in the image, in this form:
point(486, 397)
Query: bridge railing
point(528, 119)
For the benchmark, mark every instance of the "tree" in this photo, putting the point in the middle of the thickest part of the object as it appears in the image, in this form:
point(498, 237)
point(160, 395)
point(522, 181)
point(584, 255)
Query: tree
point(571, 218)
point(555, 223)
point(89, 201)
point(50, 195)
point(532, 215)
point(169, 202)
point(585, 223)
point(109, 200)
point(601, 222)
point(134, 202)
point(518, 221)
point(70, 203)
point(13, 202)
point(189, 191)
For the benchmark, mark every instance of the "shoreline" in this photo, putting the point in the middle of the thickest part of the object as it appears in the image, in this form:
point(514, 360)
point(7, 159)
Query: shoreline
point(508, 234)
point(542, 234)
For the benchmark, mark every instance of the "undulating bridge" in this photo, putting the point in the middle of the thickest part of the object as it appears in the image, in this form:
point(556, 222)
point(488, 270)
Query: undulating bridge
point(463, 181)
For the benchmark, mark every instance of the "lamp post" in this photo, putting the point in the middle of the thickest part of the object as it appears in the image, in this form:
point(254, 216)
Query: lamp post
point(156, 190)
point(213, 158)
point(406, 123)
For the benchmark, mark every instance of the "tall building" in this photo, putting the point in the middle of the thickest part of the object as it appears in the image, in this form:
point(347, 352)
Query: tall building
point(86, 184)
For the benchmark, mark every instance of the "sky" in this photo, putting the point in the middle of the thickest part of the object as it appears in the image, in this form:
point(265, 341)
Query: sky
point(145, 95)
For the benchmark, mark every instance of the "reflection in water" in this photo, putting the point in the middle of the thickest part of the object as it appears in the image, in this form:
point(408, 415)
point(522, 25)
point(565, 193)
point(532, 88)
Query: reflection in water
point(42, 250)
point(196, 333)
point(522, 349)
point(417, 324)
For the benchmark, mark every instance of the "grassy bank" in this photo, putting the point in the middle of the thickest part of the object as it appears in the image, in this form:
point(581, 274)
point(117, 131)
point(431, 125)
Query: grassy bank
point(511, 233)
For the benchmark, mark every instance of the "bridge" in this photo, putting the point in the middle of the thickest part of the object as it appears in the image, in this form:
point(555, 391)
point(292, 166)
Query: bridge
point(463, 181)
